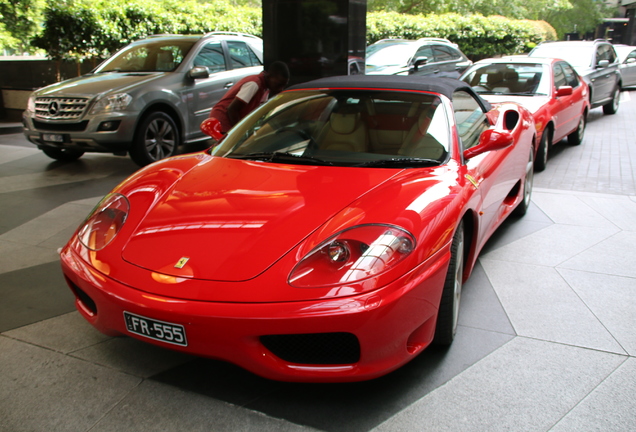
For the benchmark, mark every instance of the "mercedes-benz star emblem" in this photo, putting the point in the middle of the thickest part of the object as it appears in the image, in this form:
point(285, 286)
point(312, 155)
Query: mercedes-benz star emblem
point(53, 108)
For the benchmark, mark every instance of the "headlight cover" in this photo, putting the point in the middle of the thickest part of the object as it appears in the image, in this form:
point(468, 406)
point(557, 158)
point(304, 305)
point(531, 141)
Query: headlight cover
point(352, 255)
point(116, 102)
point(104, 222)
point(31, 104)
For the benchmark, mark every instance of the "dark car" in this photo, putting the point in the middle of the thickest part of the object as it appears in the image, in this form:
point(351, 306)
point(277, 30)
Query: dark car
point(550, 88)
point(596, 62)
point(425, 56)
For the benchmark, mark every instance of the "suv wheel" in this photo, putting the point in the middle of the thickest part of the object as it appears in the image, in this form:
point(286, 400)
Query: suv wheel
point(65, 155)
point(157, 137)
point(612, 106)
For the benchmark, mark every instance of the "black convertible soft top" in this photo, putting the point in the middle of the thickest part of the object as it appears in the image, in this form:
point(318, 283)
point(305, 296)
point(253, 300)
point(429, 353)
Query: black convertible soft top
point(444, 86)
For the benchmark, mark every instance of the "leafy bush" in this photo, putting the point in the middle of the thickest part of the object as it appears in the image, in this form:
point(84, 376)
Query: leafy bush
point(476, 35)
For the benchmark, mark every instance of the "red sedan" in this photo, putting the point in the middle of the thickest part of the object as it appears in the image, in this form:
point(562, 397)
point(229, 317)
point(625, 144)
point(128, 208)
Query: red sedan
point(550, 88)
point(325, 239)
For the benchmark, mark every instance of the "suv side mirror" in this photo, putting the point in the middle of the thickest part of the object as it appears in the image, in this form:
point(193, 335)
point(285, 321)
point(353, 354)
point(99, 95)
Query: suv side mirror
point(603, 63)
point(419, 61)
point(564, 91)
point(199, 72)
point(488, 141)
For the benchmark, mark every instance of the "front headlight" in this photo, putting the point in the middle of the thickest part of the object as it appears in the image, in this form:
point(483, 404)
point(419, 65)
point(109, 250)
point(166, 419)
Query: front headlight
point(116, 102)
point(352, 255)
point(104, 222)
point(31, 104)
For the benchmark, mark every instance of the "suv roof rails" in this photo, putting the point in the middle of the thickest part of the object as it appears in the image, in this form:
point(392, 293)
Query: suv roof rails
point(230, 33)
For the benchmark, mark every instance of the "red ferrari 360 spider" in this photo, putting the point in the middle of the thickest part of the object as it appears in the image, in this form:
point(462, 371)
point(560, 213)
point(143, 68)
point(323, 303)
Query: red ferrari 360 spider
point(326, 238)
point(550, 88)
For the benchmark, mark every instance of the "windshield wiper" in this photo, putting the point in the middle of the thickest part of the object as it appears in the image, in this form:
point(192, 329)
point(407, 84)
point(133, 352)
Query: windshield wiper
point(282, 158)
point(399, 163)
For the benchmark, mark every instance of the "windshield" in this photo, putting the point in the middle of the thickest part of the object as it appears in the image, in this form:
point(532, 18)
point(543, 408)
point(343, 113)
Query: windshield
point(521, 79)
point(577, 56)
point(397, 54)
point(153, 56)
point(345, 128)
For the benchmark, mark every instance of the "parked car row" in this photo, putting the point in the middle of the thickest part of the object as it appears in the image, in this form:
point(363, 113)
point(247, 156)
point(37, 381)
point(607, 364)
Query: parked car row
point(151, 97)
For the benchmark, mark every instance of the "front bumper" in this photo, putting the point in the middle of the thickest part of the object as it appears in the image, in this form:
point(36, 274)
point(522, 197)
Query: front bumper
point(89, 134)
point(391, 325)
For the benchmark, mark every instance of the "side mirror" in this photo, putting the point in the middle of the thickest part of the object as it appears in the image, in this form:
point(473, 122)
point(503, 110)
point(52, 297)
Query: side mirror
point(488, 141)
point(564, 91)
point(212, 126)
point(199, 72)
point(419, 61)
point(603, 64)
point(630, 60)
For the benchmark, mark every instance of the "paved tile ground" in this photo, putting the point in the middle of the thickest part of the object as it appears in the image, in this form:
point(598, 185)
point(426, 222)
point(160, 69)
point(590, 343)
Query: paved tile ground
point(546, 339)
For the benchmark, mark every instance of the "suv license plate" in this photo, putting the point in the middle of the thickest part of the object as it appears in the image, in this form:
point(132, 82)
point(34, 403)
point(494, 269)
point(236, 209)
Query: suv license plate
point(56, 138)
point(153, 329)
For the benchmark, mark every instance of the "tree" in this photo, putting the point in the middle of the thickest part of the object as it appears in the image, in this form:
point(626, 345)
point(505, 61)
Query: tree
point(21, 20)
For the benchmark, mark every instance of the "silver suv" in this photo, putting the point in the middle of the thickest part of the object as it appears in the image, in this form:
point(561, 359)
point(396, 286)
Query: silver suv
point(147, 99)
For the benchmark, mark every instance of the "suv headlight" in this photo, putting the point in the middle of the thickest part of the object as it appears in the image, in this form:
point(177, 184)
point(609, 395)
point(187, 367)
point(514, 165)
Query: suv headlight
point(116, 102)
point(31, 104)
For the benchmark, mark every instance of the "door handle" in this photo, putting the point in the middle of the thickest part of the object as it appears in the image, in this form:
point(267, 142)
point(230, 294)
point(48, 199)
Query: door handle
point(228, 85)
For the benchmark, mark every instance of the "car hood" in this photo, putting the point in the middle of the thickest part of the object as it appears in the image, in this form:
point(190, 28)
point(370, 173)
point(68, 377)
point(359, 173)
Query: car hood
point(531, 103)
point(229, 220)
point(94, 84)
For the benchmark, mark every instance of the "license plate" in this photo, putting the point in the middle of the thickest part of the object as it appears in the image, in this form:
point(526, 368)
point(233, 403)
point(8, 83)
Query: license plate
point(56, 138)
point(154, 329)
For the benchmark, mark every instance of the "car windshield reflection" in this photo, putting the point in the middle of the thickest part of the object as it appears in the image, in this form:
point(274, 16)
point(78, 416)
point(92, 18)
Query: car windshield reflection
point(345, 128)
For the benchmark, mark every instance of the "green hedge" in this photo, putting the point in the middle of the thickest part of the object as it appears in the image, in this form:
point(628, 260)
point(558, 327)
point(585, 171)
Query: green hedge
point(95, 28)
point(476, 35)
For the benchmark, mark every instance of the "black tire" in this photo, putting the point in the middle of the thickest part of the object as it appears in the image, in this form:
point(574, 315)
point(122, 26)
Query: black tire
point(544, 149)
point(448, 314)
point(576, 137)
point(522, 208)
point(612, 106)
point(156, 138)
point(65, 155)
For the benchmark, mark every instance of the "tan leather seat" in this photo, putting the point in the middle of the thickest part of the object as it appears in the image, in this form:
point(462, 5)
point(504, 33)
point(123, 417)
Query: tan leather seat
point(419, 143)
point(345, 132)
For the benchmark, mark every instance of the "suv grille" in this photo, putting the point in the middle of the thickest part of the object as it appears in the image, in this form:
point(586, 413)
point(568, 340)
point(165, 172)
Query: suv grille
point(57, 108)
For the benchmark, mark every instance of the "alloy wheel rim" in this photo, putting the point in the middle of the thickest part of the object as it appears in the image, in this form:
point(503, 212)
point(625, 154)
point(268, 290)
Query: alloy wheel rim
point(159, 140)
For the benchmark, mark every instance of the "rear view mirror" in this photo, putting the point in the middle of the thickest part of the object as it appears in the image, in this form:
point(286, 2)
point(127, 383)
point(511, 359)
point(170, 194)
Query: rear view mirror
point(603, 63)
point(199, 72)
point(490, 140)
point(419, 61)
point(564, 91)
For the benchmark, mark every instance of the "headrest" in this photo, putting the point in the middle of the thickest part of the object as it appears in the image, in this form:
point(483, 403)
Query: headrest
point(423, 122)
point(495, 77)
point(511, 75)
point(344, 123)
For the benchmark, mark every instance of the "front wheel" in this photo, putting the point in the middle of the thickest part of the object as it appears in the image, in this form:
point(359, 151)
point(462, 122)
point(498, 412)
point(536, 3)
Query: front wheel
point(522, 208)
point(576, 137)
point(157, 137)
point(448, 314)
point(612, 106)
point(65, 155)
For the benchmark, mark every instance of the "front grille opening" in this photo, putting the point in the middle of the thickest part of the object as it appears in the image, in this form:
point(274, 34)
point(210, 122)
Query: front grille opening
point(314, 348)
point(61, 127)
point(84, 298)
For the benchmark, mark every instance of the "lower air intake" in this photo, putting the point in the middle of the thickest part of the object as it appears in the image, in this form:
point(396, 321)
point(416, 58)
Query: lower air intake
point(314, 348)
